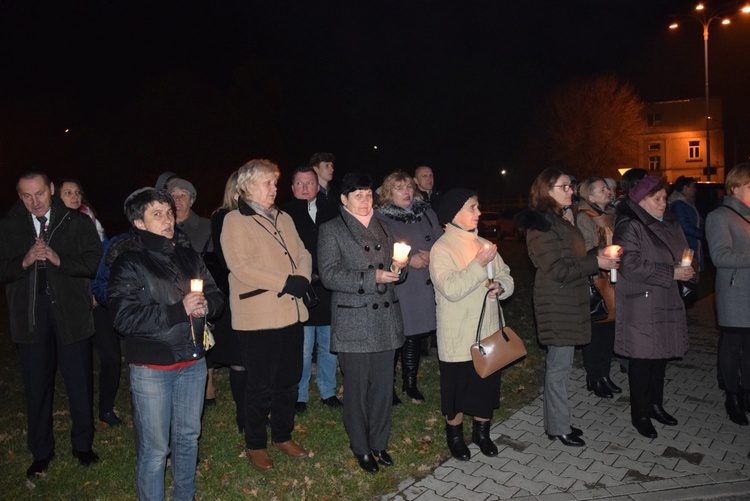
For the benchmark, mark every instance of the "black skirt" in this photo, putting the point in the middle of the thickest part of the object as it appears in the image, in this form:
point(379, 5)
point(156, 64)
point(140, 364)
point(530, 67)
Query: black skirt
point(462, 390)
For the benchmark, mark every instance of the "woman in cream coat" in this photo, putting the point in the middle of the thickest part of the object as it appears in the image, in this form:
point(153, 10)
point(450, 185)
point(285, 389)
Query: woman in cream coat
point(458, 267)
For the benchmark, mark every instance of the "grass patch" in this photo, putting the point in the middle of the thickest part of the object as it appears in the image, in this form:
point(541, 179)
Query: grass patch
point(417, 438)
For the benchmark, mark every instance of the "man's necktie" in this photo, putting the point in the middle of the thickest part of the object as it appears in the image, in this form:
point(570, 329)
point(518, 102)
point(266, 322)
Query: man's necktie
point(43, 234)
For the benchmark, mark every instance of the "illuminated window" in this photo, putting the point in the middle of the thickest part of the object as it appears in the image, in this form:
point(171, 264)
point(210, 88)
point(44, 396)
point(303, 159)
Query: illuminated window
point(654, 162)
point(694, 149)
point(654, 119)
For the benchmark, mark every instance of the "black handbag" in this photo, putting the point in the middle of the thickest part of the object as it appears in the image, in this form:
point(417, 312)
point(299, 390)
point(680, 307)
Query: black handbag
point(597, 304)
point(687, 293)
point(310, 298)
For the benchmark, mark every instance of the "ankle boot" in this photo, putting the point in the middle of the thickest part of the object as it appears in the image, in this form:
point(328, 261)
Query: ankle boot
point(481, 437)
point(410, 354)
point(454, 434)
point(237, 383)
point(736, 409)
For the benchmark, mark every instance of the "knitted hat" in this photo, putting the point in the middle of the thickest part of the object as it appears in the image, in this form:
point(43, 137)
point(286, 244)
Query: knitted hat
point(183, 185)
point(451, 203)
point(643, 188)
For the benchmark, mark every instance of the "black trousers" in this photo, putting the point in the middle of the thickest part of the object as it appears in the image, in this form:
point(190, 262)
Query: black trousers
point(646, 378)
point(597, 355)
point(273, 362)
point(107, 345)
point(734, 360)
point(39, 363)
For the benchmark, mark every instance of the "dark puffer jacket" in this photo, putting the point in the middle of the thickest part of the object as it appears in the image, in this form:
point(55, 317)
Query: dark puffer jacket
point(561, 294)
point(150, 275)
point(651, 320)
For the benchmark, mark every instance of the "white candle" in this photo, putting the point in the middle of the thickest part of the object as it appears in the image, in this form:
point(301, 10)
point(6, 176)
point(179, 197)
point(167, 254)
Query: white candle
point(490, 268)
point(400, 254)
point(196, 285)
point(611, 252)
point(687, 257)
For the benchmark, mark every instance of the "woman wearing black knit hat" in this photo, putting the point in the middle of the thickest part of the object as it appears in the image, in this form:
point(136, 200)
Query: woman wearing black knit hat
point(461, 262)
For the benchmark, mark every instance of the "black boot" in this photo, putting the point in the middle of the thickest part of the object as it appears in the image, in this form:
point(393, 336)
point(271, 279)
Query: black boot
point(410, 355)
point(237, 383)
point(454, 434)
point(736, 409)
point(481, 437)
point(599, 387)
point(657, 412)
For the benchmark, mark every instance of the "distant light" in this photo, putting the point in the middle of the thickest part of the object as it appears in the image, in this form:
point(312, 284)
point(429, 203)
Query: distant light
point(67, 130)
point(700, 6)
point(725, 21)
point(374, 147)
point(673, 26)
point(745, 9)
point(503, 172)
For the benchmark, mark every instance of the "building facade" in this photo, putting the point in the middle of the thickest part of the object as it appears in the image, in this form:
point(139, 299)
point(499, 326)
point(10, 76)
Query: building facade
point(674, 141)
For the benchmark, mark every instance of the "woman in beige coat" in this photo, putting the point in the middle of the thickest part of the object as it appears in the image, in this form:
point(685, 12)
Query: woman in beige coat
point(459, 269)
point(269, 273)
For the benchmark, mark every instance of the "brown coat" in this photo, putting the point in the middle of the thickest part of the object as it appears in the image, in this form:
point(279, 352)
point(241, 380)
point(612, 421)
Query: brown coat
point(257, 261)
point(561, 293)
point(651, 320)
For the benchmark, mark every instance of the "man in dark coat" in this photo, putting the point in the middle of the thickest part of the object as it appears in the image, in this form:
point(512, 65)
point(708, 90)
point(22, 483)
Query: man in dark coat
point(425, 181)
point(322, 163)
point(48, 255)
point(309, 211)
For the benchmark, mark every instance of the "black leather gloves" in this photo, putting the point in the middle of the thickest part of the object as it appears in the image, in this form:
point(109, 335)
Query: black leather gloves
point(296, 285)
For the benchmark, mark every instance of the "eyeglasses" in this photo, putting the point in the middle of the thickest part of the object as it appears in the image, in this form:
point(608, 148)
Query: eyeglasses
point(565, 187)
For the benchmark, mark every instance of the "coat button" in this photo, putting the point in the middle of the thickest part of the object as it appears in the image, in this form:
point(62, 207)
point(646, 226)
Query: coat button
point(386, 304)
point(367, 248)
point(380, 266)
point(429, 281)
point(427, 238)
point(360, 291)
point(374, 306)
point(370, 267)
point(378, 247)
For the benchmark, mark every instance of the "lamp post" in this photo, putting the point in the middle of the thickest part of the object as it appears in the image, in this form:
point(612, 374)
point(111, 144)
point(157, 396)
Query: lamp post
point(705, 18)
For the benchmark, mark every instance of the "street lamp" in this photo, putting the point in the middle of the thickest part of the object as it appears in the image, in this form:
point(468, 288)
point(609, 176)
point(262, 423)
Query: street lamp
point(705, 18)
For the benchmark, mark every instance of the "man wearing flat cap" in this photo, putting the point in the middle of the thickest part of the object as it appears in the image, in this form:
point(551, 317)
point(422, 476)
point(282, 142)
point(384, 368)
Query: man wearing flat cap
point(198, 229)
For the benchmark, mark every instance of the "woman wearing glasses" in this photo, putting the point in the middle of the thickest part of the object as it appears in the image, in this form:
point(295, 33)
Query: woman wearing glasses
point(561, 295)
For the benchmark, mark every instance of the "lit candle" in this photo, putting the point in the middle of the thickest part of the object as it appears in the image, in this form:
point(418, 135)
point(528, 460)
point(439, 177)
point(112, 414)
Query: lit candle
point(612, 251)
point(687, 257)
point(400, 253)
point(196, 285)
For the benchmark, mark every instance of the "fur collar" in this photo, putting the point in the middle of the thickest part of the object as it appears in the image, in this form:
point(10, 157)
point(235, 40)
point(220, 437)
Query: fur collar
point(419, 207)
point(133, 243)
point(531, 219)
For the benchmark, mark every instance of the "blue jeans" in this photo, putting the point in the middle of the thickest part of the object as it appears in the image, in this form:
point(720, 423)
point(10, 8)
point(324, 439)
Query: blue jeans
point(325, 373)
point(164, 401)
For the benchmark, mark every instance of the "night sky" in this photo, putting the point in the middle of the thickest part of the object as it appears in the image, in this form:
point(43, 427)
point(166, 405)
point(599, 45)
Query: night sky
point(200, 87)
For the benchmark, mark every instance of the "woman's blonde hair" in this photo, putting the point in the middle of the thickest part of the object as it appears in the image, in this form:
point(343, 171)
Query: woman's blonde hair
point(737, 177)
point(254, 170)
point(390, 183)
point(231, 192)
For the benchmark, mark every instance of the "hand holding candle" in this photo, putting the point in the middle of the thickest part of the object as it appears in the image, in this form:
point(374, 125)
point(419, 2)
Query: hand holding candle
point(612, 252)
point(400, 255)
point(196, 285)
point(194, 302)
point(490, 268)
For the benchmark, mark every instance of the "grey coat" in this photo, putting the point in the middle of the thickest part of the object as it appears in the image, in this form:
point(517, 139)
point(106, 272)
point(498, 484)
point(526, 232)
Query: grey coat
point(650, 315)
point(365, 316)
point(420, 229)
point(728, 238)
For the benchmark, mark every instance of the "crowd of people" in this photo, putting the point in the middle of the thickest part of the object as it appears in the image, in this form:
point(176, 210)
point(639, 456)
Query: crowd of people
point(320, 280)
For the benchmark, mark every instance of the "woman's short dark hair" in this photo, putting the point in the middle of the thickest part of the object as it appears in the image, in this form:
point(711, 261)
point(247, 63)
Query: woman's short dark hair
point(138, 201)
point(354, 181)
point(631, 178)
point(539, 197)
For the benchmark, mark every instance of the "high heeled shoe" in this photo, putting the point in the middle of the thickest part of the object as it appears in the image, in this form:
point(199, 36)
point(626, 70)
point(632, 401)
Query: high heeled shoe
point(599, 387)
point(612, 386)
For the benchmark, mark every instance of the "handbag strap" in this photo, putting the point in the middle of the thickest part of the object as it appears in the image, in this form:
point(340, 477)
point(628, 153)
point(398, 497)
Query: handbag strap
point(481, 318)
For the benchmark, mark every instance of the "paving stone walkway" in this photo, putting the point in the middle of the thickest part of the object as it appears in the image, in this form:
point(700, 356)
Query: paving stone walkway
point(704, 457)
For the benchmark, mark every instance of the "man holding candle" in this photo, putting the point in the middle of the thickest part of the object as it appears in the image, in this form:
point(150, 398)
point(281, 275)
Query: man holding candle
point(161, 315)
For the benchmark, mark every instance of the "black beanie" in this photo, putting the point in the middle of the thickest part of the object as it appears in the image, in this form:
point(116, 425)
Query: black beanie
point(451, 203)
